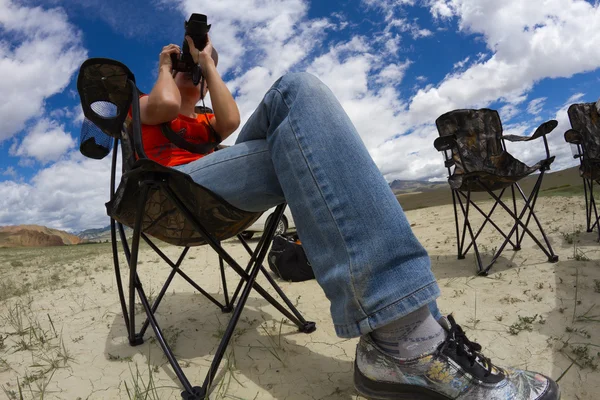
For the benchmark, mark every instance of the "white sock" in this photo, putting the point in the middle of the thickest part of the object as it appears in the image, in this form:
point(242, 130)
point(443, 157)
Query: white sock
point(411, 336)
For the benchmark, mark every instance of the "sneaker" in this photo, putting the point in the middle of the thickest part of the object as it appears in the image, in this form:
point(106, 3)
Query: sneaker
point(456, 370)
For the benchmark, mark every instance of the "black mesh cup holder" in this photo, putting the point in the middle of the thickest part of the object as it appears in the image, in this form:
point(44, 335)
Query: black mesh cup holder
point(94, 143)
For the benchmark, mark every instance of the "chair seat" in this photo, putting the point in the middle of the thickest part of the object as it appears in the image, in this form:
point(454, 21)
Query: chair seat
point(590, 169)
point(508, 170)
point(162, 219)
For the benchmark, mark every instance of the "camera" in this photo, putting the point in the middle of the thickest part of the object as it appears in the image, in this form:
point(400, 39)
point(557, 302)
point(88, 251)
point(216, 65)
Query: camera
point(197, 28)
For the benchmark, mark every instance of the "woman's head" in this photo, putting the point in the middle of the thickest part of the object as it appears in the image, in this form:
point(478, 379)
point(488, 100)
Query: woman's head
point(186, 86)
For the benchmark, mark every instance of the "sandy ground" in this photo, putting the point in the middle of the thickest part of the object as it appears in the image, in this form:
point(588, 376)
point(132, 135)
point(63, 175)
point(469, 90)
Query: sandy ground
point(528, 313)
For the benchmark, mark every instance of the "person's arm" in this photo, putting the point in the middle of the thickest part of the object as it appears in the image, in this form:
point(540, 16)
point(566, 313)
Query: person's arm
point(164, 101)
point(227, 115)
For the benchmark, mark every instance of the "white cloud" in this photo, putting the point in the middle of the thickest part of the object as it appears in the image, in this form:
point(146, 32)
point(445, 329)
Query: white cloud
point(43, 53)
point(259, 40)
point(536, 105)
point(46, 141)
point(507, 112)
point(69, 194)
point(393, 74)
point(10, 171)
point(530, 41)
point(462, 63)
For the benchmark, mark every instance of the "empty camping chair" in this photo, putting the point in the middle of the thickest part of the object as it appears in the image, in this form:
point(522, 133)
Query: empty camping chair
point(585, 138)
point(477, 161)
point(163, 203)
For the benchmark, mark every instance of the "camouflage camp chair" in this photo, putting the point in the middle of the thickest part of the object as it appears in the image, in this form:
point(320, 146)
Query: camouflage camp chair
point(477, 161)
point(165, 204)
point(585, 137)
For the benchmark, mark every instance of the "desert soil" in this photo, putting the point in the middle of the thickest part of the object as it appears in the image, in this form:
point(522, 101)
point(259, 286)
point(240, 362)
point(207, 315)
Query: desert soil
point(62, 333)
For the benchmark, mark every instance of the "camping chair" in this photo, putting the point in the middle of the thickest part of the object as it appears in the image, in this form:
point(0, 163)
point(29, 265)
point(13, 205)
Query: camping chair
point(166, 204)
point(477, 161)
point(585, 138)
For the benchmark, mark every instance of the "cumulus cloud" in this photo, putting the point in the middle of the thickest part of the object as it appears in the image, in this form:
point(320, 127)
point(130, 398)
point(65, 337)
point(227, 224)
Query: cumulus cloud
point(40, 51)
point(536, 105)
point(10, 171)
point(529, 42)
point(259, 40)
point(69, 195)
point(46, 141)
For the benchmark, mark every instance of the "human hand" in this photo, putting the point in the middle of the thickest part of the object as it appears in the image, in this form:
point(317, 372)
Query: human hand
point(164, 60)
point(203, 57)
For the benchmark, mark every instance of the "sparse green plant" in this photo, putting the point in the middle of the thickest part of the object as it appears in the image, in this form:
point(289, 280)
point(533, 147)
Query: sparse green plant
point(524, 324)
point(15, 319)
point(580, 331)
point(139, 388)
point(537, 297)
point(78, 339)
point(116, 357)
point(570, 237)
point(510, 300)
point(4, 366)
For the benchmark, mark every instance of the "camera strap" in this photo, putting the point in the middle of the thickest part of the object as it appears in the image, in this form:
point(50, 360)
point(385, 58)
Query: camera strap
point(177, 139)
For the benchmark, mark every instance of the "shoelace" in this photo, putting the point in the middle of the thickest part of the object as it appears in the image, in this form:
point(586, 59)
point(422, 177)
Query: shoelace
point(464, 347)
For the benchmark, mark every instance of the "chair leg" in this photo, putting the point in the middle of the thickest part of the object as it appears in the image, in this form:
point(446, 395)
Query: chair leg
point(458, 242)
point(135, 339)
point(488, 219)
point(113, 239)
point(593, 205)
point(529, 205)
point(551, 256)
point(306, 328)
point(254, 266)
point(461, 254)
point(467, 226)
point(228, 305)
point(516, 247)
point(165, 285)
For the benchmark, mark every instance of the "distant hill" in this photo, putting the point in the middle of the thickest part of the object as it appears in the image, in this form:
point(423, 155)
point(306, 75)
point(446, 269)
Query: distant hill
point(102, 234)
point(35, 236)
point(402, 187)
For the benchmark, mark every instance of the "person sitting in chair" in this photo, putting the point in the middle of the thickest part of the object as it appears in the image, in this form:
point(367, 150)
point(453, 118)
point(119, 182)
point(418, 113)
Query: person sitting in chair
point(300, 147)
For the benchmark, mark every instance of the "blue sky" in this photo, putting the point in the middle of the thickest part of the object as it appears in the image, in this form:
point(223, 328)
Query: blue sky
point(395, 65)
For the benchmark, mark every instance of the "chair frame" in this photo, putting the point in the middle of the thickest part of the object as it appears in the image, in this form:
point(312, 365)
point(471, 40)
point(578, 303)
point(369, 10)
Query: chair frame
point(461, 199)
point(149, 181)
point(575, 138)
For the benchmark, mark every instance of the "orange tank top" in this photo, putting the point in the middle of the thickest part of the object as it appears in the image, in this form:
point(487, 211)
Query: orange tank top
point(161, 150)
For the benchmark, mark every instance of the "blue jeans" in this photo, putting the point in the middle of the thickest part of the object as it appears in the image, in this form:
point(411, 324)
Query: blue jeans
point(300, 146)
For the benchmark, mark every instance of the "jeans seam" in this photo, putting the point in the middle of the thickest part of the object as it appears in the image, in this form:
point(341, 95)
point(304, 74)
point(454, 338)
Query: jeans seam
point(222, 161)
point(328, 208)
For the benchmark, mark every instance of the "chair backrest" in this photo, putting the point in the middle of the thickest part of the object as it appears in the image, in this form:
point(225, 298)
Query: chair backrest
point(102, 82)
point(585, 119)
point(478, 134)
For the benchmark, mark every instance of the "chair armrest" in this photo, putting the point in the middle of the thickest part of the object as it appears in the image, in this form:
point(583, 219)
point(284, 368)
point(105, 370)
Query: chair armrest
point(444, 143)
point(574, 137)
point(542, 130)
